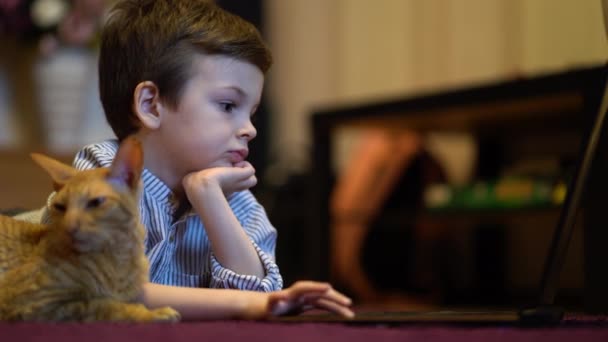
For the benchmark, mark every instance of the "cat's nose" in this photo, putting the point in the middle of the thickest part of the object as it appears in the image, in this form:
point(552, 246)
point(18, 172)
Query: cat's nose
point(71, 224)
point(71, 228)
point(72, 231)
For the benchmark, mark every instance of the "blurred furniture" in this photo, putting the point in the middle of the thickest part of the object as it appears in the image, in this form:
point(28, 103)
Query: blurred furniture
point(23, 184)
point(514, 119)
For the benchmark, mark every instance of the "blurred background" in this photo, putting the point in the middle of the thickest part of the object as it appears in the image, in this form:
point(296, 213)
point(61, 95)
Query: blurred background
point(328, 54)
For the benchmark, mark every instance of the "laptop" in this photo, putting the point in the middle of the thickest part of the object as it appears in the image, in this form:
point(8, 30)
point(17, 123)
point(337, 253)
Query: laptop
point(544, 312)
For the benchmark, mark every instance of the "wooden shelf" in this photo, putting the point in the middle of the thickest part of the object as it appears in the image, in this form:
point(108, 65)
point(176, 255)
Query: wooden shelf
point(499, 114)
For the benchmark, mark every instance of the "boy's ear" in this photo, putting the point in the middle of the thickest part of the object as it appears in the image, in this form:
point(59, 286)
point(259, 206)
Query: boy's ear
point(128, 163)
point(60, 173)
point(146, 104)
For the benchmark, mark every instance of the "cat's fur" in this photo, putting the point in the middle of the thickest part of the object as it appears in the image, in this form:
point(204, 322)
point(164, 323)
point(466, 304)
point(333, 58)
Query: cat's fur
point(89, 264)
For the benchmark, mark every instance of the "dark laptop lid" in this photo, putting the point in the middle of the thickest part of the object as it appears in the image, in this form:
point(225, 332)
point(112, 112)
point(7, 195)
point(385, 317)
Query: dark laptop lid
point(565, 226)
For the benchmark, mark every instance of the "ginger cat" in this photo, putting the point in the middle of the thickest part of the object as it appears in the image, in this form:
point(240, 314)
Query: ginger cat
point(89, 264)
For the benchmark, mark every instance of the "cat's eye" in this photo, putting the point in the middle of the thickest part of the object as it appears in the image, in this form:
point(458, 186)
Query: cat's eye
point(95, 202)
point(59, 207)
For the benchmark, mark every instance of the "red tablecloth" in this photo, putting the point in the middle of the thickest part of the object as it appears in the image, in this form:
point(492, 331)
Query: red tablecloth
point(574, 328)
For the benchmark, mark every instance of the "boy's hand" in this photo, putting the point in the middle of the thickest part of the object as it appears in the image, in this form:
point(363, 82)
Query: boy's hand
point(303, 296)
point(229, 179)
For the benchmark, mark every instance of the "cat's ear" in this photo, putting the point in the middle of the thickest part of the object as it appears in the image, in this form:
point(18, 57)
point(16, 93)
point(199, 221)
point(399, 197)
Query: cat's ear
point(60, 173)
point(128, 163)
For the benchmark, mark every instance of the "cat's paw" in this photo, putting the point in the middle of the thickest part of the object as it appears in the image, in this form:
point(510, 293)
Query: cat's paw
point(165, 314)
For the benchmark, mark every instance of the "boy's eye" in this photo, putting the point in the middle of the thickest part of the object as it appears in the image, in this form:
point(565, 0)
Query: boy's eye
point(59, 207)
point(227, 107)
point(95, 202)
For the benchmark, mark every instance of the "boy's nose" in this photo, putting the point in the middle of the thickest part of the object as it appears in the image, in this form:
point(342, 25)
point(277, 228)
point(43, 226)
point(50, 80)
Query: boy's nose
point(248, 132)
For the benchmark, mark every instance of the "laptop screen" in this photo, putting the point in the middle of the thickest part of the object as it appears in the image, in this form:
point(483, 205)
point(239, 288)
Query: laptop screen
point(516, 127)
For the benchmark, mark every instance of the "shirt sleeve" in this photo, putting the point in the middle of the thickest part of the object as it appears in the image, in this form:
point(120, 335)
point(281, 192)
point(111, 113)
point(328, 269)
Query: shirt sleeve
point(263, 237)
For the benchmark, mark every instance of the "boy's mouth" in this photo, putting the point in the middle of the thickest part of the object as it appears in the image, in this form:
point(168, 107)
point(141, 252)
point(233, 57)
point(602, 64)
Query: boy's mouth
point(237, 156)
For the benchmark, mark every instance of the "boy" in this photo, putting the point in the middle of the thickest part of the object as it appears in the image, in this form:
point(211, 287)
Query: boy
point(185, 77)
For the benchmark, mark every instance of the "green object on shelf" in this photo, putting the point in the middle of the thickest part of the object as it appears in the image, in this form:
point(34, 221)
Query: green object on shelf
point(512, 193)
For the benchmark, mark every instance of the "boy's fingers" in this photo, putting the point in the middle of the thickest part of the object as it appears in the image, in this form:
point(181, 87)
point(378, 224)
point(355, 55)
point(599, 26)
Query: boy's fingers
point(240, 178)
point(247, 174)
point(330, 295)
point(311, 289)
point(243, 164)
point(280, 307)
point(339, 297)
point(305, 295)
point(246, 184)
point(334, 307)
point(306, 285)
point(243, 171)
point(300, 289)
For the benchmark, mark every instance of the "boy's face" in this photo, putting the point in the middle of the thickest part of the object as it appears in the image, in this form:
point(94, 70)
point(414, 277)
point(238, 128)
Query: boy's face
point(211, 125)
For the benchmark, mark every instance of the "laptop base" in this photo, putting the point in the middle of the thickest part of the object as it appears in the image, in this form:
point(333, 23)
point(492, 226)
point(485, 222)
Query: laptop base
point(537, 316)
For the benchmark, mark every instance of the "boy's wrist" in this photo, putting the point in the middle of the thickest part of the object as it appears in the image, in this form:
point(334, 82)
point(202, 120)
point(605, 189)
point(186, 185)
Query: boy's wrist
point(197, 188)
point(253, 305)
point(205, 195)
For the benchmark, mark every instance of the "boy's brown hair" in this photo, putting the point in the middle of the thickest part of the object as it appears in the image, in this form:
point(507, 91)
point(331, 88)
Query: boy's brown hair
point(157, 40)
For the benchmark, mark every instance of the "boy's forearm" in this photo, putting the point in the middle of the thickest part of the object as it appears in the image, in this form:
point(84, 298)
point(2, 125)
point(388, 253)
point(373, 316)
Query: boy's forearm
point(229, 242)
point(206, 304)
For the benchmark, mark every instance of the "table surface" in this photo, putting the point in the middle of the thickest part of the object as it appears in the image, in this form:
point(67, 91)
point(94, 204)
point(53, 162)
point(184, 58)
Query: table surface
point(574, 328)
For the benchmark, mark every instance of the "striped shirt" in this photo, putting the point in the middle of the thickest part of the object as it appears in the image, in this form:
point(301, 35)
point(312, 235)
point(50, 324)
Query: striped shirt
point(179, 250)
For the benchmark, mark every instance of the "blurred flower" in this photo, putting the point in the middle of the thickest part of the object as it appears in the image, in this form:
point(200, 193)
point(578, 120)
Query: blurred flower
point(48, 13)
point(51, 23)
